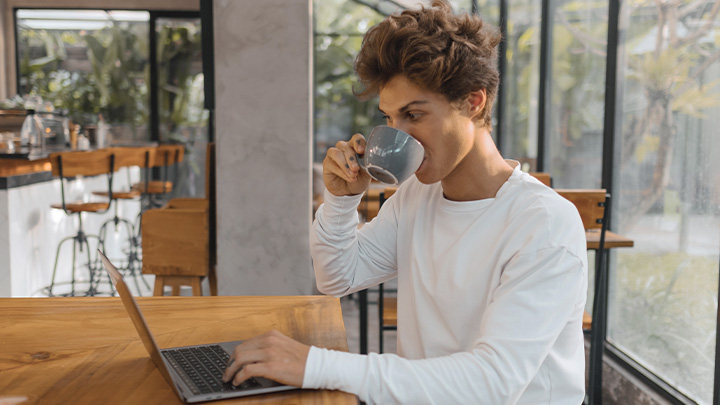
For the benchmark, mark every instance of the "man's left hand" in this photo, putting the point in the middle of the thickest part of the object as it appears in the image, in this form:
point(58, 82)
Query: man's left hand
point(272, 355)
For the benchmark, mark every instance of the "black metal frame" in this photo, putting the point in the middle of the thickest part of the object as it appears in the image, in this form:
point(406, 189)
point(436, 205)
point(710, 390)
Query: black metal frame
point(716, 389)
point(545, 75)
point(502, 70)
point(208, 60)
point(599, 316)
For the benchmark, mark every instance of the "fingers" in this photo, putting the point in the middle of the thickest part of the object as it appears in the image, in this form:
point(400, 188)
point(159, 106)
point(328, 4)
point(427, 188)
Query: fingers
point(272, 355)
point(338, 163)
point(241, 363)
point(342, 172)
point(343, 158)
point(358, 143)
point(240, 359)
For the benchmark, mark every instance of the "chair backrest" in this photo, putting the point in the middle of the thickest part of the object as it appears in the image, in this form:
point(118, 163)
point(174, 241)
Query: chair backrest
point(168, 154)
point(544, 178)
point(589, 203)
point(82, 163)
point(127, 156)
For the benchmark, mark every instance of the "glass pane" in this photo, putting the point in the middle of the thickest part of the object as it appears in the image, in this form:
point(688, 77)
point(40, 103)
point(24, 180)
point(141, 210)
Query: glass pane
point(521, 82)
point(338, 114)
point(574, 135)
point(181, 98)
point(91, 63)
point(664, 292)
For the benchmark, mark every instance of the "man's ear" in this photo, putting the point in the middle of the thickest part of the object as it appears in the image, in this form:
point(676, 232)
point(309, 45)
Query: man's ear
point(476, 102)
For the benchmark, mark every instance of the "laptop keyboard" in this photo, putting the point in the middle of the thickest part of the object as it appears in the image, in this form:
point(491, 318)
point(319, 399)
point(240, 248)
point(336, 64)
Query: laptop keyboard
point(202, 367)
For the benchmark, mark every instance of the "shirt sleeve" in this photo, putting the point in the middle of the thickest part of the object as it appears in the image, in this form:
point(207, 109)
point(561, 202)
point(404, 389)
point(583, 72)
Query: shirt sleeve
point(540, 295)
point(347, 259)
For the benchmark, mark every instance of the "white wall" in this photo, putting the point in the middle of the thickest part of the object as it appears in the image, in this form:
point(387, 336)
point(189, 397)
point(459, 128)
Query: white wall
point(263, 134)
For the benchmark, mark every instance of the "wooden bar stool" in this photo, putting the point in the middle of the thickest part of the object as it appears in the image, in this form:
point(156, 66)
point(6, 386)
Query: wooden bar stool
point(127, 157)
point(67, 165)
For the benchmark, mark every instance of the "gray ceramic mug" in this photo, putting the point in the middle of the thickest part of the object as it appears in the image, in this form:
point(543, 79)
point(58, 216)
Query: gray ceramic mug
point(391, 155)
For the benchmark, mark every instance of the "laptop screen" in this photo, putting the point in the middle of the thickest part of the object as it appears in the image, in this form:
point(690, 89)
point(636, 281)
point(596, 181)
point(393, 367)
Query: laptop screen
point(137, 317)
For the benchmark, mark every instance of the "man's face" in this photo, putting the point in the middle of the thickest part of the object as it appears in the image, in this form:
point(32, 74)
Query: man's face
point(446, 132)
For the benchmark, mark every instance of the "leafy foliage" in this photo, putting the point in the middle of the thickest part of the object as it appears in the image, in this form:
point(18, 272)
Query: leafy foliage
point(112, 84)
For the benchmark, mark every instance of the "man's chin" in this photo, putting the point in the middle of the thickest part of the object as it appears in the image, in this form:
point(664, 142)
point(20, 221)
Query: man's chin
point(425, 179)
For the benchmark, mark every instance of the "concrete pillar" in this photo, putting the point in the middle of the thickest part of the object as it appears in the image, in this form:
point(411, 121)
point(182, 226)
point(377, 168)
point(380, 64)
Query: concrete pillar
point(263, 132)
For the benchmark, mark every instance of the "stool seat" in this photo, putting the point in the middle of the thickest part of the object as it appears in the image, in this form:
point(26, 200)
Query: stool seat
point(120, 195)
point(83, 206)
point(154, 187)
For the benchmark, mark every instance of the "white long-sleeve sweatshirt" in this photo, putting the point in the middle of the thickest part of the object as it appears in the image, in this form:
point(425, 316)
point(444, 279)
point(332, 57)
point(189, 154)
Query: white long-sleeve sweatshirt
point(490, 295)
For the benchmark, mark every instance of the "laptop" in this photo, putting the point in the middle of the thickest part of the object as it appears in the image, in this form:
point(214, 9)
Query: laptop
point(195, 372)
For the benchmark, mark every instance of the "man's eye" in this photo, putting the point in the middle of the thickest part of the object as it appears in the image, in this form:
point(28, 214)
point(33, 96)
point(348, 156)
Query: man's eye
point(414, 116)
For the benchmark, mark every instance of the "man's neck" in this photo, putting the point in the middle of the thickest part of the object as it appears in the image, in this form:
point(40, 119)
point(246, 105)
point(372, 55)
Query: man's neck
point(480, 175)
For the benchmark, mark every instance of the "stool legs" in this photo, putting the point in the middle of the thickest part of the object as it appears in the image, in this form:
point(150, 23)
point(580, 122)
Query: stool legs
point(175, 282)
point(132, 253)
point(79, 242)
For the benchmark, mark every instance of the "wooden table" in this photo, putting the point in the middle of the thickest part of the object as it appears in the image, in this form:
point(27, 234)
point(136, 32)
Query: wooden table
point(612, 240)
point(86, 350)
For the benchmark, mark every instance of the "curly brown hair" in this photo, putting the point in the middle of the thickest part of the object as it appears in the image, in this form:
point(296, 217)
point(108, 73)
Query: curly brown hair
point(436, 50)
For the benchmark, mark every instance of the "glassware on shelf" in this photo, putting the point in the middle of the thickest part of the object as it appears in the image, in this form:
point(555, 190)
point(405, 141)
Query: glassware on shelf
point(31, 132)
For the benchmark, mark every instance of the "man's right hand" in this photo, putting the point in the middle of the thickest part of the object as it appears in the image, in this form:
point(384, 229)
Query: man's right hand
point(342, 173)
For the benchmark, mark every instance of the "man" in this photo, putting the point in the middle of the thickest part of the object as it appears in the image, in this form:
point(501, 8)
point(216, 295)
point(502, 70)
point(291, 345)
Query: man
point(491, 264)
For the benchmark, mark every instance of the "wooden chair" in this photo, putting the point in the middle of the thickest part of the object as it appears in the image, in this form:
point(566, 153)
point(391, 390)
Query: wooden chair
point(127, 157)
point(179, 242)
point(594, 209)
point(66, 165)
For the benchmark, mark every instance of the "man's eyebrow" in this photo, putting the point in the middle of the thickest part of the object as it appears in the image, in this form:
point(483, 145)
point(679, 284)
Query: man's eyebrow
point(407, 106)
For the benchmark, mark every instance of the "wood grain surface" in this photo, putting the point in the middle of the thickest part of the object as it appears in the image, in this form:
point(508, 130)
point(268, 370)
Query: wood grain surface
point(86, 350)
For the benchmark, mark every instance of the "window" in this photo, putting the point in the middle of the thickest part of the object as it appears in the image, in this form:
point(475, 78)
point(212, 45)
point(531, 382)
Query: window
point(182, 117)
point(101, 64)
point(521, 81)
point(664, 298)
point(91, 63)
point(574, 139)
